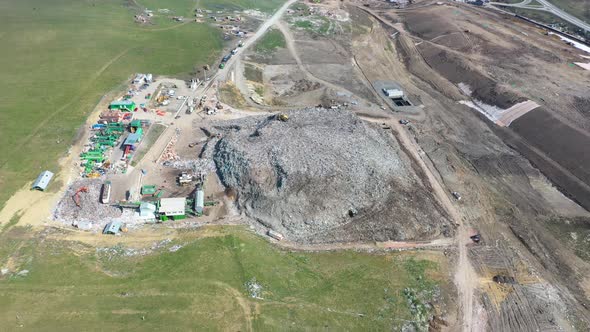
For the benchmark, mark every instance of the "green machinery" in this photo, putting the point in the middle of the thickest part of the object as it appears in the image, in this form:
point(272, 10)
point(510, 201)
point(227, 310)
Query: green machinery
point(151, 190)
point(114, 127)
point(106, 142)
point(93, 155)
point(134, 126)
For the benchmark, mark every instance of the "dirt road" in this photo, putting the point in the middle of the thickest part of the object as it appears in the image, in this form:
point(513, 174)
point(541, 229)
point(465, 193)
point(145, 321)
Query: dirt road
point(290, 41)
point(465, 276)
point(222, 73)
point(395, 245)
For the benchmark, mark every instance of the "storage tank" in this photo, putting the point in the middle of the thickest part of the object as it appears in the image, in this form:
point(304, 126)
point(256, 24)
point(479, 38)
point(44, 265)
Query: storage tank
point(199, 201)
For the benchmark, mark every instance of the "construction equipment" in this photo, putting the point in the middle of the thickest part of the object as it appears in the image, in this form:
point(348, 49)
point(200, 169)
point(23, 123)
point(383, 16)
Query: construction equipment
point(184, 178)
point(456, 195)
point(76, 196)
point(282, 117)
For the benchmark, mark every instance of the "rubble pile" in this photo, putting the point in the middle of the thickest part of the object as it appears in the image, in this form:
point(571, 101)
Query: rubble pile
point(169, 153)
point(326, 176)
point(195, 165)
point(91, 213)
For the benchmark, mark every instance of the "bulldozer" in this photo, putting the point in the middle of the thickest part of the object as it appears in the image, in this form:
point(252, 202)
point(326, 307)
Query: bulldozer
point(282, 117)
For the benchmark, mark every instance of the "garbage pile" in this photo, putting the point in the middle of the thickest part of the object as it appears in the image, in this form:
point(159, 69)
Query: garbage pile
point(195, 165)
point(320, 175)
point(169, 153)
point(90, 212)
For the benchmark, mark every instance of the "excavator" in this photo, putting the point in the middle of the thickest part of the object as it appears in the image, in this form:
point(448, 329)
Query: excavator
point(76, 196)
point(282, 117)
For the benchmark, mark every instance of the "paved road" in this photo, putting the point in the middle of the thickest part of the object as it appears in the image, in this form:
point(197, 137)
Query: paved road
point(548, 7)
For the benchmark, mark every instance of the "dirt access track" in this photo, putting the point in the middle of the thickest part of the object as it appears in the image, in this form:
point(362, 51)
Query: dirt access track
point(505, 196)
point(508, 176)
point(531, 233)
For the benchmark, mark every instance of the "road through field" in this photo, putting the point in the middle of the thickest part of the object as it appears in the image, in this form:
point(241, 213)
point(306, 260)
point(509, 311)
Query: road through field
point(222, 73)
point(548, 7)
point(465, 276)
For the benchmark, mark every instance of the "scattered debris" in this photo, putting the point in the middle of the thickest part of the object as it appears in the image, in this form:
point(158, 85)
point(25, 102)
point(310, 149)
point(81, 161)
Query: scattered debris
point(254, 289)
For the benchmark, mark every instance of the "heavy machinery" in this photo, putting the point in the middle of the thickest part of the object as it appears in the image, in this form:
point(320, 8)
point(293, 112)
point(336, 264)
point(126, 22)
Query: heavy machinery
point(184, 178)
point(282, 117)
point(76, 196)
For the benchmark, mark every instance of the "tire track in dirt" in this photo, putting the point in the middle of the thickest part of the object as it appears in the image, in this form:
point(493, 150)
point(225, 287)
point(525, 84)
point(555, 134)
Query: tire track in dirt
point(60, 110)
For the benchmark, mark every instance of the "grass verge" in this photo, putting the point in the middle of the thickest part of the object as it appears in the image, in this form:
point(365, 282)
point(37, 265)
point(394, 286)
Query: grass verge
point(152, 136)
point(271, 40)
point(233, 280)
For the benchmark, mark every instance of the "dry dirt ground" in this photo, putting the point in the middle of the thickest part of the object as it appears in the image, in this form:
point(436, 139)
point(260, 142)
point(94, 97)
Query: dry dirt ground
point(534, 236)
point(509, 177)
point(505, 196)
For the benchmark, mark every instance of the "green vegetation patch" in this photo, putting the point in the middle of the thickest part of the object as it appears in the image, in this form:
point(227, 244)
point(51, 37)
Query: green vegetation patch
point(262, 5)
point(230, 94)
point(13, 221)
point(61, 56)
point(271, 40)
point(574, 232)
point(318, 25)
point(148, 141)
point(253, 73)
point(234, 280)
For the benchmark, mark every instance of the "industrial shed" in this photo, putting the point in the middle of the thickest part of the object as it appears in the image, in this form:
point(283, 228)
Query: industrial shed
point(122, 105)
point(172, 208)
point(42, 180)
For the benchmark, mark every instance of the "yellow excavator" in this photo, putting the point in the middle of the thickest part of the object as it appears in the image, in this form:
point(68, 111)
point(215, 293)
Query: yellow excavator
point(282, 117)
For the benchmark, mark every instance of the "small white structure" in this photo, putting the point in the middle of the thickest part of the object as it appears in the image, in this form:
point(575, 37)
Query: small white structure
point(138, 78)
point(393, 93)
point(148, 78)
point(199, 201)
point(275, 235)
point(42, 180)
point(147, 210)
point(172, 206)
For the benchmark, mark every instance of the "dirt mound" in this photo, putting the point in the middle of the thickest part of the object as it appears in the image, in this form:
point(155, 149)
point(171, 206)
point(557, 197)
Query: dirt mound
point(326, 176)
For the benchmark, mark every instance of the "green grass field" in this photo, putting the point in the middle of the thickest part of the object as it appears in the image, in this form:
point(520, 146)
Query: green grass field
point(148, 141)
point(61, 56)
point(205, 286)
point(271, 40)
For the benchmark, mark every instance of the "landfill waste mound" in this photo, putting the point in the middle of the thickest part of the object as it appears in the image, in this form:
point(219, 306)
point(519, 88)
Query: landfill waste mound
point(90, 210)
point(326, 176)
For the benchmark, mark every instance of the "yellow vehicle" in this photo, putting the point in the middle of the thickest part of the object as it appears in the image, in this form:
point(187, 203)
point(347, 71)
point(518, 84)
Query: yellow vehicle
point(283, 117)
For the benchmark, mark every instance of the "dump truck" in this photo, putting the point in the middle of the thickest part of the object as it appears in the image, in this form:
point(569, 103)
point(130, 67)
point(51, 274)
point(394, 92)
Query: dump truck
point(275, 235)
point(105, 196)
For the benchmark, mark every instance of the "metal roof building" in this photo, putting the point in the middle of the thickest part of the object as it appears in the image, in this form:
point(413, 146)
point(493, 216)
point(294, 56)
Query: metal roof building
point(172, 208)
point(42, 180)
point(199, 201)
point(132, 139)
point(114, 227)
point(122, 104)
